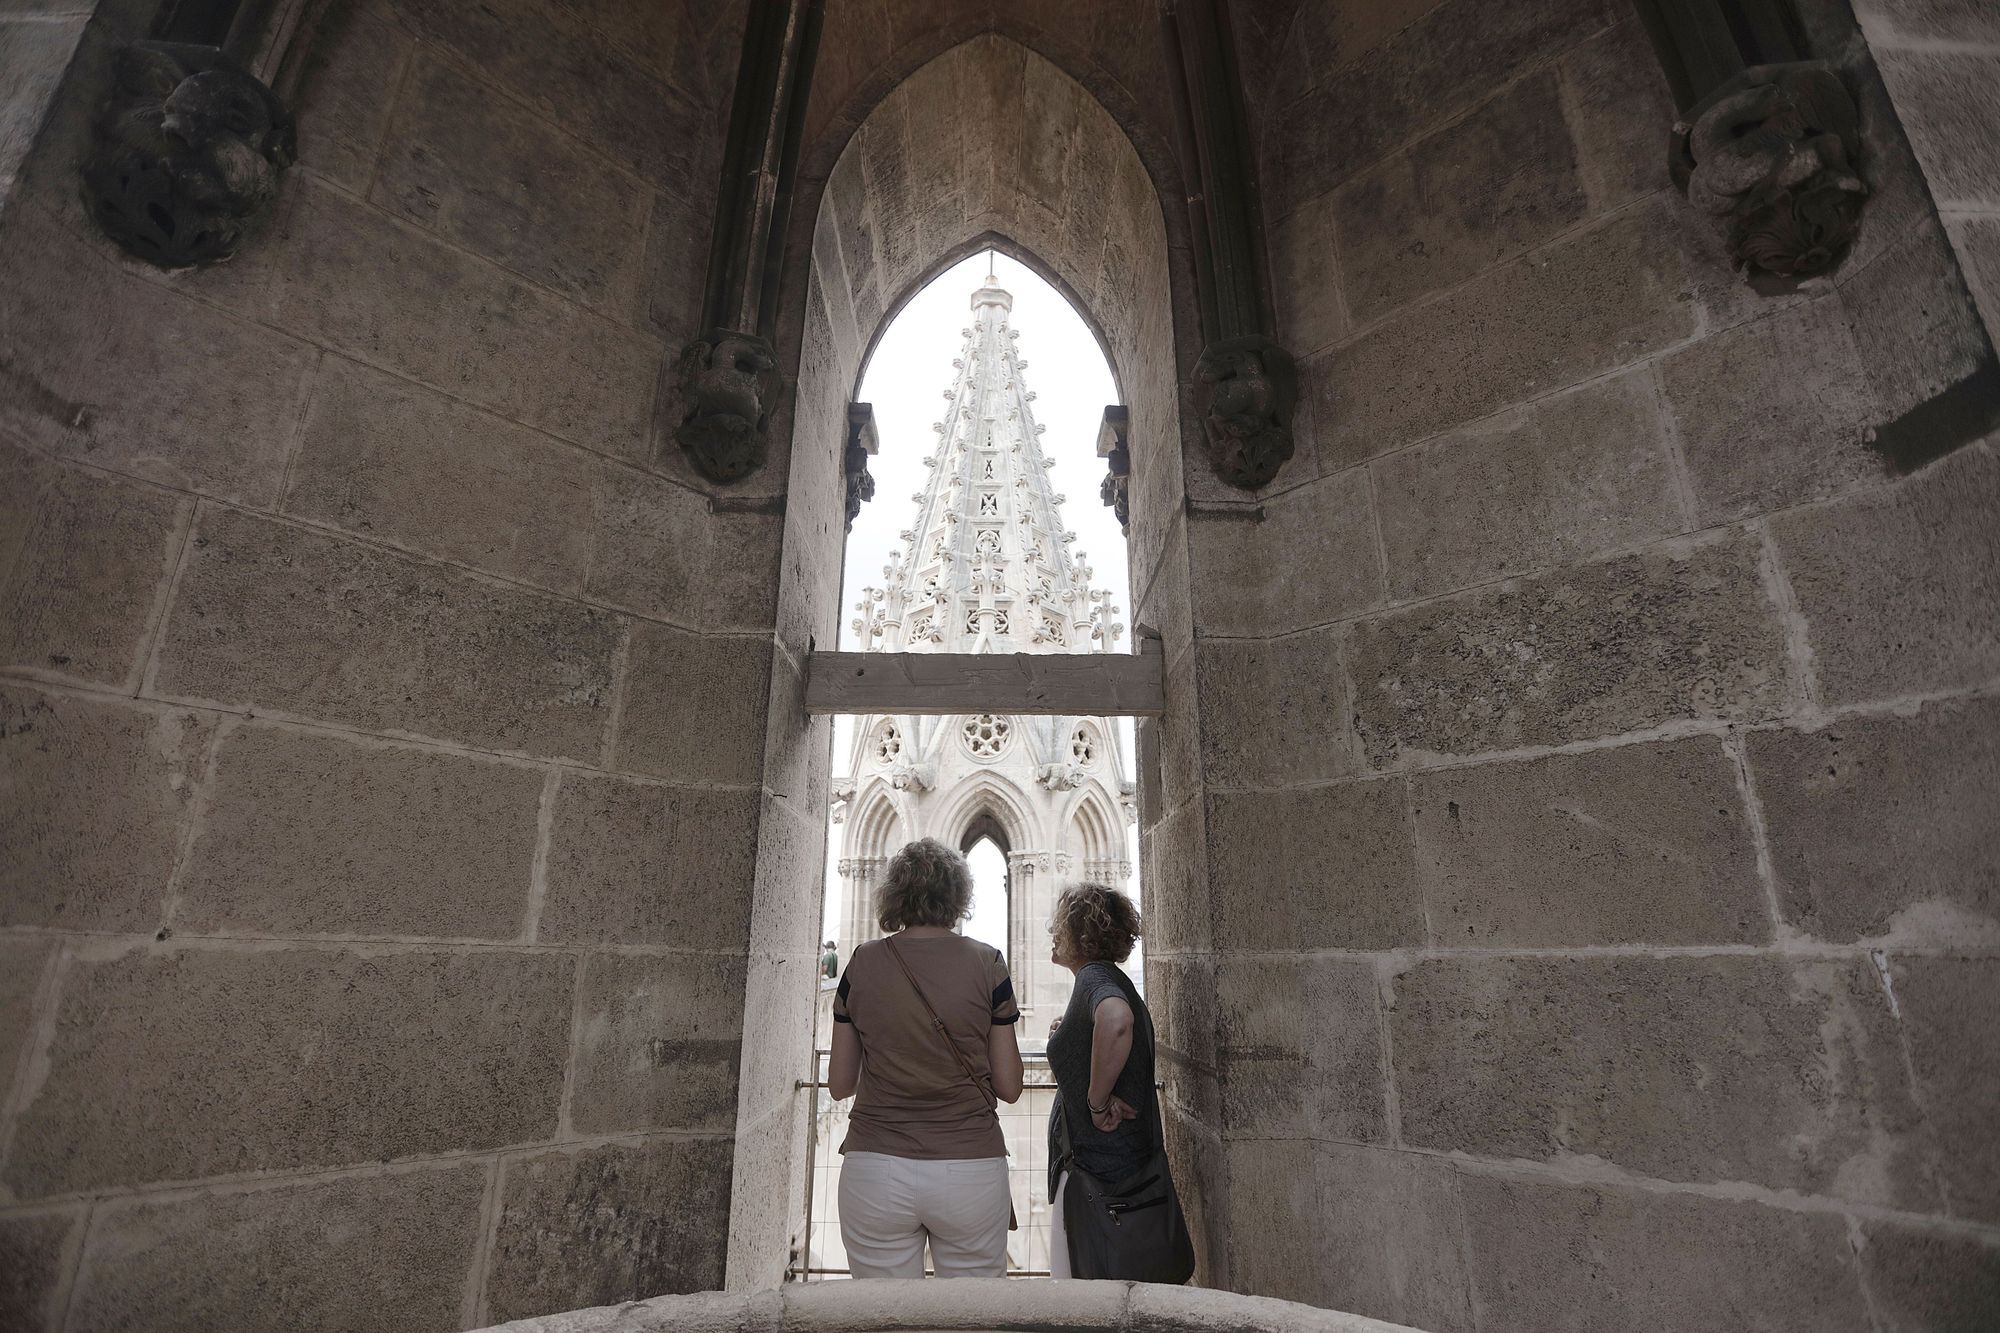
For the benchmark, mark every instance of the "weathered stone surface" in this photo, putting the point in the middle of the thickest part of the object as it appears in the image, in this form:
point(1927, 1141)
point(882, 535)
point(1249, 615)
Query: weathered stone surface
point(1948, 1007)
point(381, 290)
point(1305, 280)
point(1273, 711)
point(694, 705)
point(1576, 1259)
point(505, 184)
point(82, 556)
point(307, 834)
point(659, 1044)
point(1319, 867)
point(33, 59)
point(1884, 826)
point(1301, 1052)
point(33, 1251)
point(1664, 635)
point(1977, 243)
point(22, 963)
point(1644, 844)
point(94, 794)
point(1619, 112)
point(603, 1225)
point(1931, 1281)
point(1948, 106)
point(386, 1251)
point(1575, 308)
point(275, 616)
point(342, 114)
point(1485, 189)
point(1391, 1238)
point(1772, 413)
point(1686, 1068)
point(1558, 481)
point(641, 863)
point(197, 399)
point(1309, 560)
point(227, 1062)
point(1897, 585)
point(653, 547)
point(385, 458)
point(1176, 879)
point(674, 268)
point(1913, 320)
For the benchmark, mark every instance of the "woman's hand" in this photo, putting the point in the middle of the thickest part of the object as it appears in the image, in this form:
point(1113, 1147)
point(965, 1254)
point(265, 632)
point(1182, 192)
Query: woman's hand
point(1055, 1023)
point(1115, 1112)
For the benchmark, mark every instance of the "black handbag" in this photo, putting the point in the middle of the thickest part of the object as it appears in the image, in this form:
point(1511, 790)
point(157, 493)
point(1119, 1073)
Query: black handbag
point(1129, 1230)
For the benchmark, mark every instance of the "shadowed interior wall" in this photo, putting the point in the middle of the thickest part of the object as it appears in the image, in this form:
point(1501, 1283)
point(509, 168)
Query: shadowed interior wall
point(381, 725)
point(1601, 918)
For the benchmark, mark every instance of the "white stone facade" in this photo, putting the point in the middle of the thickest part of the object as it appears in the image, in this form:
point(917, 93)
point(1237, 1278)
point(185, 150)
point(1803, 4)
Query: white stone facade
point(988, 568)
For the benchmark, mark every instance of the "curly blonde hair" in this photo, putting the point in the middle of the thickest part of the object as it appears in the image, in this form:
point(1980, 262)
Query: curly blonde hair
point(928, 884)
point(1097, 922)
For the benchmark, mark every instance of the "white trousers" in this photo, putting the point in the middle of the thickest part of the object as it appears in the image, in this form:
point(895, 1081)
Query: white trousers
point(1058, 1234)
point(891, 1206)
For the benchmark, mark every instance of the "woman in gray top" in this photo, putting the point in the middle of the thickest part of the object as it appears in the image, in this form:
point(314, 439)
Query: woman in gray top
point(1104, 1106)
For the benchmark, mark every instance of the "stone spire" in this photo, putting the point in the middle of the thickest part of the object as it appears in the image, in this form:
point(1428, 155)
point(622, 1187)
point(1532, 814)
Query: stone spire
point(987, 567)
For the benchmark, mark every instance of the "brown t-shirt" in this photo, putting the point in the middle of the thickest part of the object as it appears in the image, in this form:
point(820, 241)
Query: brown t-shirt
point(914, 1099)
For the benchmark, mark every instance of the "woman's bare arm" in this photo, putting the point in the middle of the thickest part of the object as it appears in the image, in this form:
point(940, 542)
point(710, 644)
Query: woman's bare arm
point(1110, 1047)
point(1003, 1057)
point(843, 1070)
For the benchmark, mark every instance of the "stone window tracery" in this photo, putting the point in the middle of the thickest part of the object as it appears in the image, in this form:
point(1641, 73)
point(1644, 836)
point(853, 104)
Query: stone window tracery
point(1083, 746)
point(986, 735)
point(888, 744)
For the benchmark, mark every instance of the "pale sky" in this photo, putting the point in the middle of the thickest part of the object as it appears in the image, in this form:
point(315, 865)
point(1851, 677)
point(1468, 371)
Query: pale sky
point(907, 380)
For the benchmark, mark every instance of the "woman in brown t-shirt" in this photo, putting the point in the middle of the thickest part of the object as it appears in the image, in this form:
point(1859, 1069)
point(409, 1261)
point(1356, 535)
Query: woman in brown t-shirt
point(923, 1032)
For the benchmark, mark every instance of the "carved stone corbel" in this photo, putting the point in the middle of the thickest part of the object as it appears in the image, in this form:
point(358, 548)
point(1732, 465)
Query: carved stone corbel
point(728, 385)
point(862, 444)
point(186, 153)
point(1245, 389)
point(1114, 447)
point(1769, 157)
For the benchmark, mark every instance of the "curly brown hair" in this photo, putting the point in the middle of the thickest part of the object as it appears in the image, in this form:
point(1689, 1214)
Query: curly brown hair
point(928, 884)
point(1099, 923)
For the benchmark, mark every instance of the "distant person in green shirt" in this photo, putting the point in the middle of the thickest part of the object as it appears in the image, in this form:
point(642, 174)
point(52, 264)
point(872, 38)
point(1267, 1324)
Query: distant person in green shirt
point(829, 962)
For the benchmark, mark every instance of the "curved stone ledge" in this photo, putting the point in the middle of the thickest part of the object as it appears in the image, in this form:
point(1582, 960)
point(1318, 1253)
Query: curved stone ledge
point(990, 1305)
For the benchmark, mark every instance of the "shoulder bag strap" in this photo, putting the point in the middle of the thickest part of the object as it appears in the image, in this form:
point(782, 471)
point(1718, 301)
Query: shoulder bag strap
point(992, 1102)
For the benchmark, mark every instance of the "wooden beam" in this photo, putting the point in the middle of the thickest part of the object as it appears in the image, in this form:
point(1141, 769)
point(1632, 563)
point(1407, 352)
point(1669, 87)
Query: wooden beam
point(1064, 684)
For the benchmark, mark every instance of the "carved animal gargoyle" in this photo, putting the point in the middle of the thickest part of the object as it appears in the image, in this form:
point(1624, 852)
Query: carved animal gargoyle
point(728, 386)
point(862, 441)
point(186, 152)
point(1245, 389)
point(1769, 156)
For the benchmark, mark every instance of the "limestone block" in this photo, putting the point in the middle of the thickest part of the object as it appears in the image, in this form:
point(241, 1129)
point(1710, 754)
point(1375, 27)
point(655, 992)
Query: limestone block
point(1664, 635)
point(34, 1254)
point(1577, 307)
point(1186, 1011)
point(1580, 1258)
point(619, 1223)
point(1884, 826)
point(1949, 109)
point(1948, 1007)
point(1391, 1240)
point(234, 1061)
point(504, 183)
point(1619, 109)
point(1643, 844)
point(401, 464)
point(674, 268)
point(1318, 867)
point(82, 557)
point(33, 60)
point(1273, 711)
point(1311, 559)
point(1976, 241)
point(275, 616)
point(22, 964)
point(1717, 1068)
point(641, 863)
point(1488, 187)
point(1897, 585)
point(378, 1251)
point(1772, 413)
point(1917, 331)
point(658, 1044)
point(1931, 1281)
point(1301, 1049)
point(653, 541)
point(1271, 1187)
point(1561, 480)
point(104, 364)
point(381, 290)
point(694, 705)
point(1944, 20)
point(342, 113)
point(309, 834)
point(95, 794)
point(1305, 281)
point(1177, 912)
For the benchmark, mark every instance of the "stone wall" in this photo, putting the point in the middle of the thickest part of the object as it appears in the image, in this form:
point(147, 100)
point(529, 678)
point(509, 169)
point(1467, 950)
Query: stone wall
point(382, 724)
point(1598, 923)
